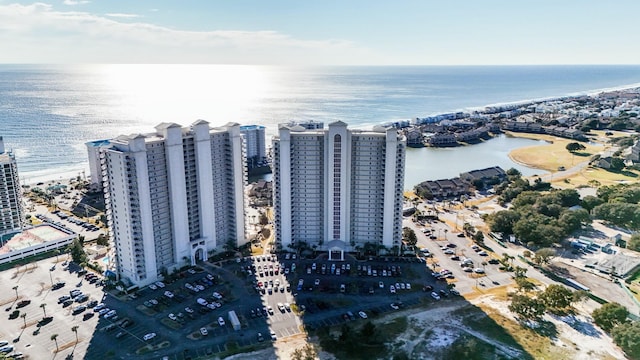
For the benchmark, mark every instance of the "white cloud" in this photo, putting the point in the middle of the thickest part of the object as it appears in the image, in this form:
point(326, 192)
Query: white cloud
point(75, 2)
point(38, 33)
point(121, 15)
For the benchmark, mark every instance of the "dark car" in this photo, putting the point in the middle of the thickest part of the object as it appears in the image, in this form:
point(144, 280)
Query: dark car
point(23, 303)
point(427, 288)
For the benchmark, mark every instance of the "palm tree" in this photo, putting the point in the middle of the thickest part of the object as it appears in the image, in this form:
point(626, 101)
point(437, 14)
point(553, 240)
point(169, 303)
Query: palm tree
point(43, 306)
point(75, 330)
point(15, 288)
point(24, 318)
point(54, 337)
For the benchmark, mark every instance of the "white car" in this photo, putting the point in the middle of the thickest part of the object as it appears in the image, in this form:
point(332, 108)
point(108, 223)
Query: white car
point(173, 317)
point(217, 295)
point(204, 331)
point(392, 289)
point(394, 306)
point(435, 295)
point(408, 286)
point(202, 301)
point(363, 314)
point(281, 307)
point(221, 321)
point(189, 310)
point(272, 333)
point(111, 313)
point(160, 284)
point(478, 270)
point(380, 284)
point(153, 287)
point(287, 306)
point(317, 282)
point(210, 277)
point(168, 294)
point(149, 336)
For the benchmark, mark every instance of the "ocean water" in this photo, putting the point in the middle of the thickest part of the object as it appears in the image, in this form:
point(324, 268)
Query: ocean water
point(47, 113)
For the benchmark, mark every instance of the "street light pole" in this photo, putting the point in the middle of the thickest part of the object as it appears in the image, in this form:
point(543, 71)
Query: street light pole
point(51, 277)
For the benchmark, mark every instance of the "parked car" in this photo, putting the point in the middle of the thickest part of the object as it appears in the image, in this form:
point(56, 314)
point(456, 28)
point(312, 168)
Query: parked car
point(363, 314)
point(435, 295)
point(221, 321)
point(149, 336)
point(204, 332)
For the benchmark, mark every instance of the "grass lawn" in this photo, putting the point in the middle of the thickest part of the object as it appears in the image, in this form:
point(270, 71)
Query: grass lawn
point(551, 156)
point(590, 175)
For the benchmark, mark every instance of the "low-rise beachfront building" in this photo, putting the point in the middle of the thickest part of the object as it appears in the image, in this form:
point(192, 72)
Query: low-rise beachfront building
point(338, 189)
point(492, 175)
point(443, 188)
point(33, 241)
point(12, 214)
point(173, 197)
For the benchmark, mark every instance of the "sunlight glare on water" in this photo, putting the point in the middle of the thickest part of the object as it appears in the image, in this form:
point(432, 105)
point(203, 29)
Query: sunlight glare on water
point(184, 93)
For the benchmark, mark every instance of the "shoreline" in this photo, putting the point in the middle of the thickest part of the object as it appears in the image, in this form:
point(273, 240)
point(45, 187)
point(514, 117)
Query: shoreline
point(33, 177)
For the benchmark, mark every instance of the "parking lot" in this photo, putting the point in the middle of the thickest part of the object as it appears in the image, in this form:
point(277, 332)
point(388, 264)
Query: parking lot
point(273, 297)
point(449, 249)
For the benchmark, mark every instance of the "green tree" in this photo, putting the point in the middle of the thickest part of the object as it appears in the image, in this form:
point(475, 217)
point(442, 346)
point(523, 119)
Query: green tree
point(264, 220)
point(102, 240)
point(519, 272)
point(589, 202)
point(574, 146)
point(609, 316)
point(557, 297)
point(409, 236)
point(543, 256)
point(478, 237)
point(527, 308)
point(617, 164)
point(524, 284)
point(77, 252)
point(627, 336)
point(503, 221)
point(368, 332)
point(573, 220)
point(468, 229)
point(307, 352)
point(634, 242)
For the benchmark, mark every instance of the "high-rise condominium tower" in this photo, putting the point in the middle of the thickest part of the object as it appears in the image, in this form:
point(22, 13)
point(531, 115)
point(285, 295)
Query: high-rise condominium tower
point(11, 211)
point(173, 196)
point(338, 189)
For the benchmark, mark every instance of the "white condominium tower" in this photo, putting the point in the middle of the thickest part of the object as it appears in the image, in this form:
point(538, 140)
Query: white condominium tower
point(11, 211)
point(254, 139)
point(173, 196)
point(338, 189)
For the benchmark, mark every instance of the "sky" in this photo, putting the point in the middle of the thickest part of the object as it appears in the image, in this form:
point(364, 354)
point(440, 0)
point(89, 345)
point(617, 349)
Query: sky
point(314, 32)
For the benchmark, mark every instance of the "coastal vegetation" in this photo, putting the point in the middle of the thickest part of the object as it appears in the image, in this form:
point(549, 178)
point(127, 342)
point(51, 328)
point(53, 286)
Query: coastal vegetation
point(537, 217)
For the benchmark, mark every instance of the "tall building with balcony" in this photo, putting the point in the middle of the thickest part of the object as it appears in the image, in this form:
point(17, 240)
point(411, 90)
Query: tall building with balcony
point(173, 197)
point(11, 211)
point(255, 144)
point(338, 189)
